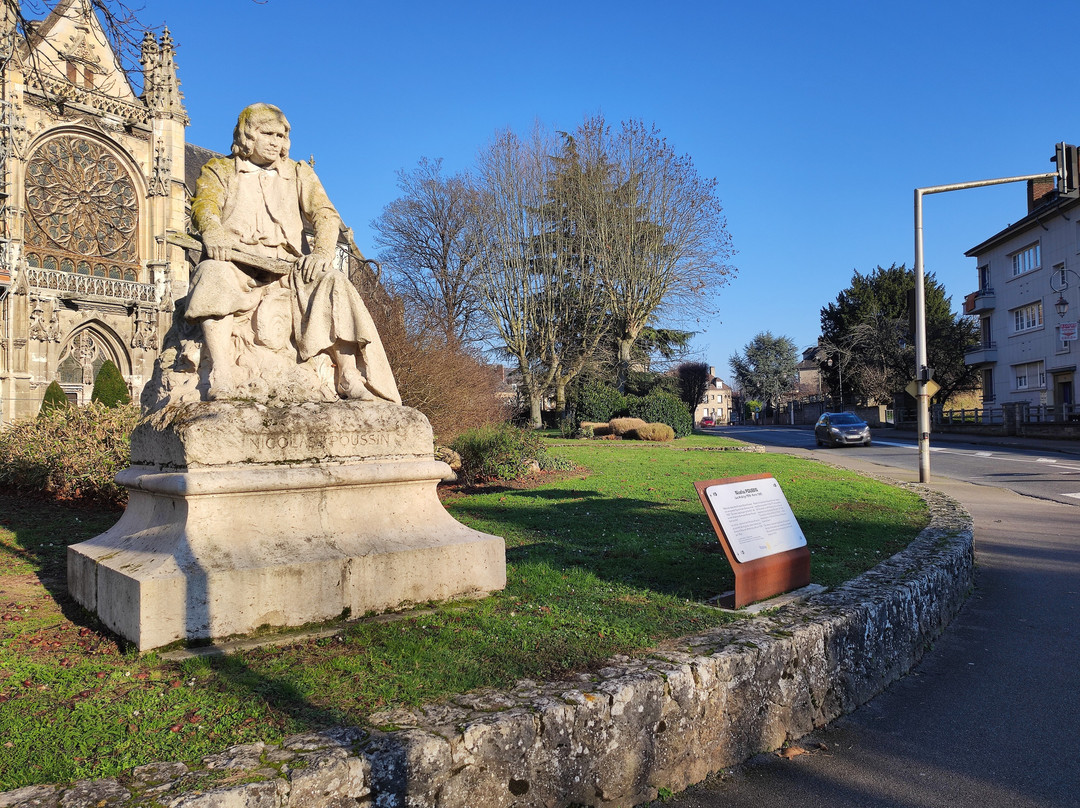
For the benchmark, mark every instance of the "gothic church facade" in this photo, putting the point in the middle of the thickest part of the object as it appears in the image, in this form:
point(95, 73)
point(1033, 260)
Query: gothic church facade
point(92, 201)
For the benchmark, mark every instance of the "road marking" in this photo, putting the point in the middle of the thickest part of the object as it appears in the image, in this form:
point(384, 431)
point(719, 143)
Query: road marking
point(1074, 496)
point(1000, 458)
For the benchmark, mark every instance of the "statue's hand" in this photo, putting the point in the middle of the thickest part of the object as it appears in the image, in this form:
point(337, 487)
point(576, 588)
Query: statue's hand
point(312, 266)
point(217, 244)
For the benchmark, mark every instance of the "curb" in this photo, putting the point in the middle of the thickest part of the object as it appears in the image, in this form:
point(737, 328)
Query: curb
point(692, 707)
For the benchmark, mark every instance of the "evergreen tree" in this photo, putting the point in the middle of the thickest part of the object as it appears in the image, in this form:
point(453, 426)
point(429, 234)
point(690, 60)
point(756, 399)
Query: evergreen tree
point(867, 335)
point(54, 399)
point(109, 386)
point(766, 368)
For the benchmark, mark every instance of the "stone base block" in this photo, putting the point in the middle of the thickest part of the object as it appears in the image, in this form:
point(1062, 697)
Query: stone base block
point(208, 553)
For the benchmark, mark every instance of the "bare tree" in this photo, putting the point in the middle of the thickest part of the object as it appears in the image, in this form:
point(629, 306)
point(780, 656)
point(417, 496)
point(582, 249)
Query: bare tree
point(430, 251)
point(540, 288)
point(661, 242)
point(517, 291)
point(19, 23)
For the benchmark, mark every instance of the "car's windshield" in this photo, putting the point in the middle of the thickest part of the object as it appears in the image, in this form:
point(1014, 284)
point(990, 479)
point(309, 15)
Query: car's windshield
point(846, 419)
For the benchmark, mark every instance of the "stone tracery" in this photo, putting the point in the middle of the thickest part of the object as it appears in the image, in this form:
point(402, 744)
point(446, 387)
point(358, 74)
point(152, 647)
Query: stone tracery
point(81, 202)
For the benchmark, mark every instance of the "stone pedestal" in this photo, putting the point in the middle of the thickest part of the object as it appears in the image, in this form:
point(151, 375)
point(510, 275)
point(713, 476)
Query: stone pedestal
point(243, 515)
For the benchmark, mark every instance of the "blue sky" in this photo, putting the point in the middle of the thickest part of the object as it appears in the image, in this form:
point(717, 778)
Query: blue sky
point(818, 120)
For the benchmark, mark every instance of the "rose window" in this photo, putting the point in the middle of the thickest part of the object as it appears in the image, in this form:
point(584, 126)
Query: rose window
point(81, 204)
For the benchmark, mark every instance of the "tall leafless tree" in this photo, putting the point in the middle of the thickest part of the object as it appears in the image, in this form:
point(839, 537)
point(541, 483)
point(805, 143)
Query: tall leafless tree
point(430, 252)
point(540, 287)
point(660, 240)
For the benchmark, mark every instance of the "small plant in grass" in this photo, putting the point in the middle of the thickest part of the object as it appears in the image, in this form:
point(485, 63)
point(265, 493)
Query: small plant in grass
point(55, 398)
point(620, 426)
point(497, 452)
point(110, 389)
point(653, 432)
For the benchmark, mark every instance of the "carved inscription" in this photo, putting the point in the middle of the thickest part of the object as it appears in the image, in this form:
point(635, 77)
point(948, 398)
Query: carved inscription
point(336, 443)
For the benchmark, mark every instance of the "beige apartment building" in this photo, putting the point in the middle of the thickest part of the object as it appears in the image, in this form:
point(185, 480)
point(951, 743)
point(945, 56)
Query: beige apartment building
point(716, 403)
point(1028, 303)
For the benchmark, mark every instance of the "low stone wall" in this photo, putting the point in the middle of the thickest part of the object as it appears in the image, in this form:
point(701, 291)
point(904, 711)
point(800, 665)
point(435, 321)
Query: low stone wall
point(613, 738)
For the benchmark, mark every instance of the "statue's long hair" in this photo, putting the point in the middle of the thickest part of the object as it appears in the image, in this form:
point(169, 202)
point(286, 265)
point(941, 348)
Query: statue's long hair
point(249, 120)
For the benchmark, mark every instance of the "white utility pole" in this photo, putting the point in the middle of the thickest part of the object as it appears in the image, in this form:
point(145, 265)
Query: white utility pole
point(921, 371)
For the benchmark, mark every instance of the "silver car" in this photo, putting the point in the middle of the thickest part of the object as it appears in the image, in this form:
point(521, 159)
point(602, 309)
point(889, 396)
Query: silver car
point(841, 429)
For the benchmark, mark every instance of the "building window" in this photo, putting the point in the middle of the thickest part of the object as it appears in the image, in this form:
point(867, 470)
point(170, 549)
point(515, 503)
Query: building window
point(1059, 278)
point(1027, 317)
point(984, 278)
point(1026, 260)
point(988, 385)
point(1029, 376)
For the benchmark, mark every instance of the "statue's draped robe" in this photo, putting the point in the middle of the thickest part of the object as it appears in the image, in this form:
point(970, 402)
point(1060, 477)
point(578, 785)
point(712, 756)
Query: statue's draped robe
point(263, 211)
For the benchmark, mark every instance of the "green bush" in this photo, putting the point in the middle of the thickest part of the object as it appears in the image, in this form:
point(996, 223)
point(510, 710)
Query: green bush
point(661, 407)
point(110, 389)
point(654, 432)
point(497, 452)
point(70, 452)
point(598, 402)
point(54, 398)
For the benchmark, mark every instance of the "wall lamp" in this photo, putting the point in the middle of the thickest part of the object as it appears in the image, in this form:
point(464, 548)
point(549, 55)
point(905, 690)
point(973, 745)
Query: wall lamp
point(1062, 305)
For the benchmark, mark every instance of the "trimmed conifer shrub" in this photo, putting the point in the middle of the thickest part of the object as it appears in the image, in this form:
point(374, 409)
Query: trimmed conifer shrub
point(54, 398)
point(110, 389)
point(654, 432)
point(620, 426)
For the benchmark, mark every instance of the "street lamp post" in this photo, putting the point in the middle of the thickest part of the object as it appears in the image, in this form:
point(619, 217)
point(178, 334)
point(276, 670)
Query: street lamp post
point(922, 372)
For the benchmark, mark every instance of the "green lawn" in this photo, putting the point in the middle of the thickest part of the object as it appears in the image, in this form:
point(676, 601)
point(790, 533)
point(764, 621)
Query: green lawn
point(610, 559)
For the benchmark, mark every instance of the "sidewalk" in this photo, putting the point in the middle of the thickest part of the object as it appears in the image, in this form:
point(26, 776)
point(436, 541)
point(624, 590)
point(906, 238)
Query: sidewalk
point(988, 718)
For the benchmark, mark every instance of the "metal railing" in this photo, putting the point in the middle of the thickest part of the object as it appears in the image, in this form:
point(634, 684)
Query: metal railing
point(1020, 412)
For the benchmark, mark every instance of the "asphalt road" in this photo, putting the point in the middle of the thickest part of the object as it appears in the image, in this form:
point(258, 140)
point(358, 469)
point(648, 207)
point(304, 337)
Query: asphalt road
point(1034, 468)
point(989, 716)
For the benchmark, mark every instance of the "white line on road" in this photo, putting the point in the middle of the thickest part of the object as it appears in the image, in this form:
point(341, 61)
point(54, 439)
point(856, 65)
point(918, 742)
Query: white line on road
point(1074, 496)
point(997, 457)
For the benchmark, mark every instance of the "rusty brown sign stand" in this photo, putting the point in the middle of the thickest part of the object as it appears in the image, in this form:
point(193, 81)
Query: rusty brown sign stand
point(759, 578)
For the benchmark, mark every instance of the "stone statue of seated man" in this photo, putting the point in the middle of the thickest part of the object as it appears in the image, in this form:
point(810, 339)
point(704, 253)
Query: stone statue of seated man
point(261, 270)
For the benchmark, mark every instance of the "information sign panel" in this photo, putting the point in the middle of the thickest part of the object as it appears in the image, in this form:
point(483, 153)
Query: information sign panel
point(759, 534)
point(756, 518)
point(1068, 332)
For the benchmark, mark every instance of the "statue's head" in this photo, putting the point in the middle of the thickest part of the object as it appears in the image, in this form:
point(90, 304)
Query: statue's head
point(249, 121)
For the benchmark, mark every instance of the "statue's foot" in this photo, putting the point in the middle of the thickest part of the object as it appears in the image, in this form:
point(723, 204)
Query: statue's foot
point(351, 384)
point(221, 386)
